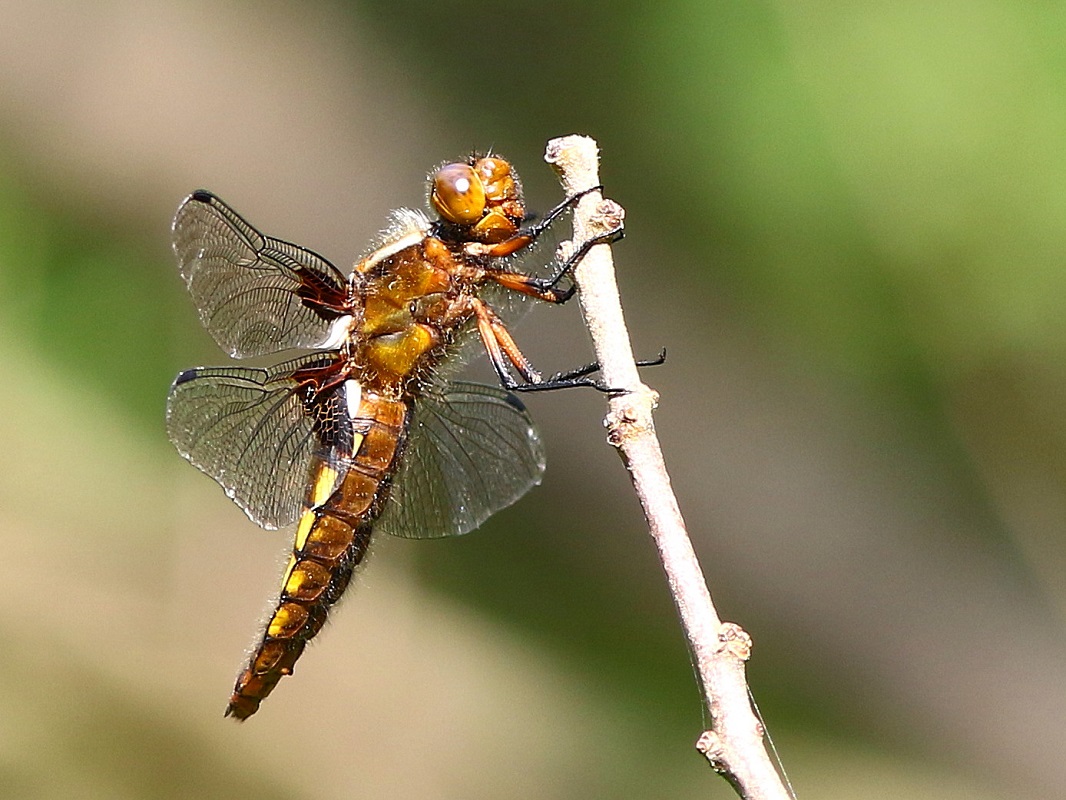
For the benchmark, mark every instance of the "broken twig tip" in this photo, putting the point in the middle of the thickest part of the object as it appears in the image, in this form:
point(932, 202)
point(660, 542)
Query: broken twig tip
point(577, 160)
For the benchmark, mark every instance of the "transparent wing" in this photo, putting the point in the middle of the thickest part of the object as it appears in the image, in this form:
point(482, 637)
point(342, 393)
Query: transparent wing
point(472, 450)
point(252, 431)
point(256, 295)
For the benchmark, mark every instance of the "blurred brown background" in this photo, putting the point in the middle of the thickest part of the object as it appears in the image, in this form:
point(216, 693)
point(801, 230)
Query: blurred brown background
point(847, 225)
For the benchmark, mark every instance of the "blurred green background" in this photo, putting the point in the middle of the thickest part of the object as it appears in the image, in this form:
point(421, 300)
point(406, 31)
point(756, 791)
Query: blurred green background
point(847, 224)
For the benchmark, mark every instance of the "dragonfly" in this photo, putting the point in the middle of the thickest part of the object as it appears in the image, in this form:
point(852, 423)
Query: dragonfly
point(361, 431)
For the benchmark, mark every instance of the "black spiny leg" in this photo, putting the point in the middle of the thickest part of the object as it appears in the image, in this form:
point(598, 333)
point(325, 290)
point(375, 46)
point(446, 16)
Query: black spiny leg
point(537, 228)
point(579, 377)
point(546, 284)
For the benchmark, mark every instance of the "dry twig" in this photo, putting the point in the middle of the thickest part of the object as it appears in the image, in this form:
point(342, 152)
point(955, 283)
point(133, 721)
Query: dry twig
point(734, 743)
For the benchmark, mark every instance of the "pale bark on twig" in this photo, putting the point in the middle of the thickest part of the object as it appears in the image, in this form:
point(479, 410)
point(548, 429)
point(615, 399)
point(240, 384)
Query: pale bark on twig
point(734, 743)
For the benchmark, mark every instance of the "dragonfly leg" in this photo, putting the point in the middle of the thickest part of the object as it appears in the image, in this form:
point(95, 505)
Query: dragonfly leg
point(502, 348)
point(610, 237)
point(545, 288)
point(588, 369)
point(528, 285)
point(538, 228)
point(524, 237)
point(579, 377)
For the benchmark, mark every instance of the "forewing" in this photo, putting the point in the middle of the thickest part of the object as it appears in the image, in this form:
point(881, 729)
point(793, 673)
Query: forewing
point(256, 295)
point(251, 431)
point(472, 450)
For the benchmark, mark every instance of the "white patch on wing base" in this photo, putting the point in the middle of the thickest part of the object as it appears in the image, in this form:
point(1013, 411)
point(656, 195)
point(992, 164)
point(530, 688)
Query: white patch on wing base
point(338, 332)
point(353, 395)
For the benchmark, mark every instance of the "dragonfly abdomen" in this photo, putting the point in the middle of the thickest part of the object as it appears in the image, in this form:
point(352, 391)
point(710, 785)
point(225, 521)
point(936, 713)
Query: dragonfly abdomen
point(331, 540)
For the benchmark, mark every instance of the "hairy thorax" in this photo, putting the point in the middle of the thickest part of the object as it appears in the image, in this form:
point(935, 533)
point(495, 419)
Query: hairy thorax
point(415, 302)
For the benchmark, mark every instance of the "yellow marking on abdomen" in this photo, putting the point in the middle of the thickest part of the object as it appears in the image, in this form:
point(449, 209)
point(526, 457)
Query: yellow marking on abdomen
point(331, 538)
point(325, 482)
point(303, 530)
point(287, 620)
point(307, 580)
point(288, 572)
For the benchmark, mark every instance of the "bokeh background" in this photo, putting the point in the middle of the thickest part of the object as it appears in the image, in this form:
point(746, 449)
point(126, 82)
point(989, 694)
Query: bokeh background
point(847, 224)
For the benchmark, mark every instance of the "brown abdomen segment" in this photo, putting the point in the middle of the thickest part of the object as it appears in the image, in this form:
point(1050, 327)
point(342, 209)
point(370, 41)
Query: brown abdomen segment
point(331, 539)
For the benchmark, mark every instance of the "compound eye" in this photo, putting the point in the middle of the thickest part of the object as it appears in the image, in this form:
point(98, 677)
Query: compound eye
point(458, 194)
point(495, 174)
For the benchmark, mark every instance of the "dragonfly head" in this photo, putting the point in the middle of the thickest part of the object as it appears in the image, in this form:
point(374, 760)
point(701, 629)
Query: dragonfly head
point(481, 195)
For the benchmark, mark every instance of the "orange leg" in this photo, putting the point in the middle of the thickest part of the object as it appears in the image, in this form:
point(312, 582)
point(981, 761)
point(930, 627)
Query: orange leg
point(502, 347)
point(527, 284)
point(508, 246)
